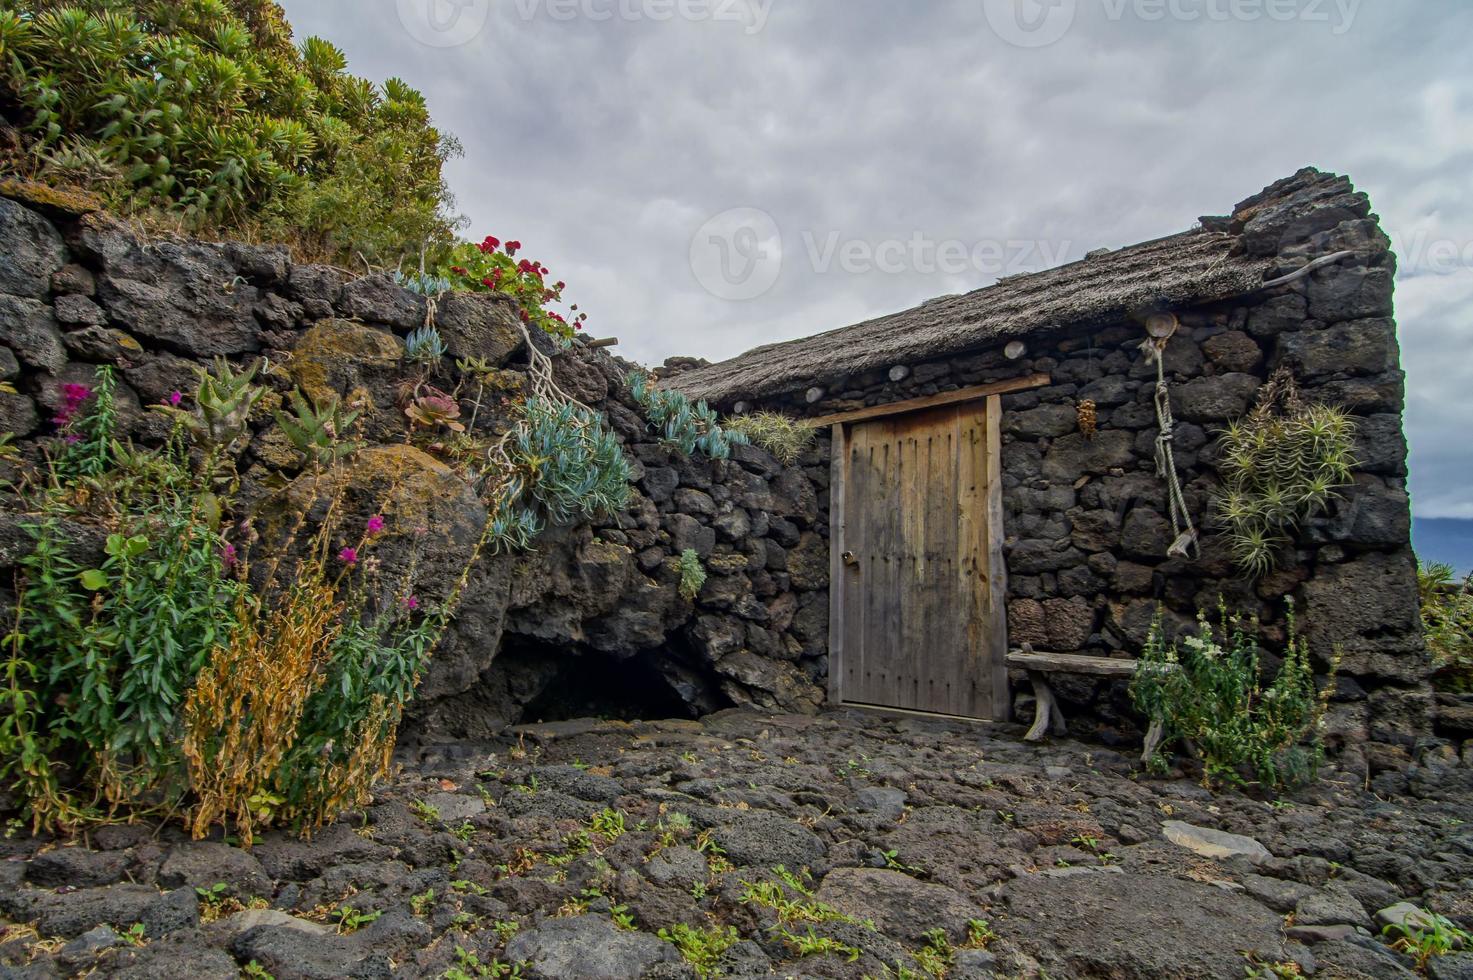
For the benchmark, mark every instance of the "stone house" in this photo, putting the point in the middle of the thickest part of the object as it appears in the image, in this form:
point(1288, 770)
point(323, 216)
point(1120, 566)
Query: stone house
point(994, 476)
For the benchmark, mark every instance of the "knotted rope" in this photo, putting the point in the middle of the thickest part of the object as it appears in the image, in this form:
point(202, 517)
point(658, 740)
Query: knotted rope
point(1184, 542)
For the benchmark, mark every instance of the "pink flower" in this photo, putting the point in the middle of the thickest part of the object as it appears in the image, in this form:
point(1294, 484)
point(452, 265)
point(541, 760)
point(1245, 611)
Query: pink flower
point(228, 557)
point(348, 556)
point(175, 397)
point(411, 603)
point(375, 524)
point(73, 397)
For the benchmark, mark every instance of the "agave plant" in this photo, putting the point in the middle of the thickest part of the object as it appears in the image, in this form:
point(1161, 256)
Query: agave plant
point(316, 430)
point(222, 404)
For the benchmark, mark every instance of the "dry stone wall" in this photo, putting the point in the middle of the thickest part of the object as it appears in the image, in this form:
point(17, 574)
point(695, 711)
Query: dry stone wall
point(590, 621)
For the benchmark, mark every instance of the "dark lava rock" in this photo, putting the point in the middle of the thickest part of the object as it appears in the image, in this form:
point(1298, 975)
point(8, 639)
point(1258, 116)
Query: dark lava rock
point(588, 947)
point(1090, 925)
point(900, 906)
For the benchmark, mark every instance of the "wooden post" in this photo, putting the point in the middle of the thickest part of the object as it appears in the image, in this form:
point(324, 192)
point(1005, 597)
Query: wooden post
point(838, 473)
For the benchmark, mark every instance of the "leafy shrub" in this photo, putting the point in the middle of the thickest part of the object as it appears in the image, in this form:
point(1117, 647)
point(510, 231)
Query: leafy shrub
point(206, 109)
point(1280, 466)
point(785, 438)
point(492, 266)
point(1208, 692)
point(692, 574)
point(685, 425)
point(1447, 623)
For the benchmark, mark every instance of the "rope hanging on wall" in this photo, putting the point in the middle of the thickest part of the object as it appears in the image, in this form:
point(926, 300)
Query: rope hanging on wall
point(1185, 542)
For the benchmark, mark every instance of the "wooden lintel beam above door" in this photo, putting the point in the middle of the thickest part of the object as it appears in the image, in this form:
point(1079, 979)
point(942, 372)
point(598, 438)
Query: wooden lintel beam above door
point(974, 393)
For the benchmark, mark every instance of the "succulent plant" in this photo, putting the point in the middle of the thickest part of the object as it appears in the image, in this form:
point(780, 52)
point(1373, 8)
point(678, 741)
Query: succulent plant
point(222, 404)
point(316, 429)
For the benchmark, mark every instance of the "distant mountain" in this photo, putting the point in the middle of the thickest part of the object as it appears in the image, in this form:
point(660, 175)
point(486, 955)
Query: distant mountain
point(1444, 539)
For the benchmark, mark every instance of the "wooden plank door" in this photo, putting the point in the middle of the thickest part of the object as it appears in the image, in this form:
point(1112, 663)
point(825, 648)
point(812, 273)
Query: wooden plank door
point(916, 601)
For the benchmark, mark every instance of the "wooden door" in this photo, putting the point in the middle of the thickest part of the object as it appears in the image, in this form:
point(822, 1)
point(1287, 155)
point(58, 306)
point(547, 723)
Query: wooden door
point(917, 618)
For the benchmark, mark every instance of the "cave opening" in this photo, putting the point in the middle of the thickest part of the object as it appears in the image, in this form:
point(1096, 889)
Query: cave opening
point(593, 685)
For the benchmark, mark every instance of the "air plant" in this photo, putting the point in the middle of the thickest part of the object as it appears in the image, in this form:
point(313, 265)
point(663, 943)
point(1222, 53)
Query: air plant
point(316, 430)
point(1281, 465)
point(784, 437)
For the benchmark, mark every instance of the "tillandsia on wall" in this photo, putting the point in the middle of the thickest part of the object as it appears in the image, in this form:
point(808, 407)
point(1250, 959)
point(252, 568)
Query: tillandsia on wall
point(1447, 623)
point(1280, 465)
point(786, 438)
point(1206, 691)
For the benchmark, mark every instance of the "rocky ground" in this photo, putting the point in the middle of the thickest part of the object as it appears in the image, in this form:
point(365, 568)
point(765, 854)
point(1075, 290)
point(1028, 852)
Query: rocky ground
point(839, 846)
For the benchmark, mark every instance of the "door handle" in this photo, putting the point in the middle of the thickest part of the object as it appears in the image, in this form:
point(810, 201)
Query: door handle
point(849, 558)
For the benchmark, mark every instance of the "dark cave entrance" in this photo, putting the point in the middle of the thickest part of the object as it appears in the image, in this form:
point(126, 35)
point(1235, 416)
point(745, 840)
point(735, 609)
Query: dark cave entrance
point(650, 685)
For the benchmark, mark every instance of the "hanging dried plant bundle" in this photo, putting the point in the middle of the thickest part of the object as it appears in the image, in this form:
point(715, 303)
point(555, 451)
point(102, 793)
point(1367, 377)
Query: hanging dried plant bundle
point(1089, 418)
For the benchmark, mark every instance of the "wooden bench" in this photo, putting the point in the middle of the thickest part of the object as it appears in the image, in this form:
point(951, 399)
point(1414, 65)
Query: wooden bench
point(1040, 665)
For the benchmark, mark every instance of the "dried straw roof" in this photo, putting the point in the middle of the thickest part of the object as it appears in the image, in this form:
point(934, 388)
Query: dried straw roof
point(1204, 265)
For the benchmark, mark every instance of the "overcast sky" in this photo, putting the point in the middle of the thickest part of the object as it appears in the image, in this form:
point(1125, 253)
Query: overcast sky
point(708, 175)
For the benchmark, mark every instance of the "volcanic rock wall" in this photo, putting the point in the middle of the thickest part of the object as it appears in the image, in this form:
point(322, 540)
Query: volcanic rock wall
point(590, 621)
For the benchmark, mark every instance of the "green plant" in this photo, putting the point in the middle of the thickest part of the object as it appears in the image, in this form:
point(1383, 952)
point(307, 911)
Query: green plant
point(685, 425)
point(492, 266)
point(158, 679)
point(574, 465)
point(1280, 465)
point(318, 430)
point(1425, 934)
point(255, 971)
point(425, 346)
point(1207, 691)
point(784, 437)
point(469, 966)
point(692, 574)
point(350, 920)
point(701, 948)
point(1447, 624)
point(206, 111)
point(222, 404)
point(810, 943)
point(421, 903)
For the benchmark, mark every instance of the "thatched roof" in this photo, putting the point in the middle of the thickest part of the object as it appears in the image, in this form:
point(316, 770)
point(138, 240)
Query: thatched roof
point(1224, 257)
